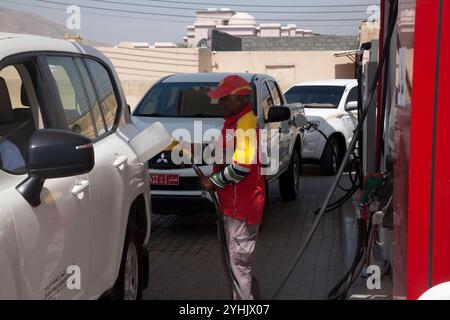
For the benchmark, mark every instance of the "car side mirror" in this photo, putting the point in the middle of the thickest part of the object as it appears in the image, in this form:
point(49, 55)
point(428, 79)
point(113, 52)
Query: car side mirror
point(54, 154)
point(351, 105)
point(278, 114)
point(150, 141)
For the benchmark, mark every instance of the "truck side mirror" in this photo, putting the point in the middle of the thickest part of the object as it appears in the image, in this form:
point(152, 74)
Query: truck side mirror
point(351, 105)
point(54, 154)
point(278, 114)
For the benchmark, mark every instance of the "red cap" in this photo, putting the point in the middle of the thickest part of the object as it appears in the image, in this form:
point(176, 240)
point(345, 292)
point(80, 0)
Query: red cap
point(233, 84)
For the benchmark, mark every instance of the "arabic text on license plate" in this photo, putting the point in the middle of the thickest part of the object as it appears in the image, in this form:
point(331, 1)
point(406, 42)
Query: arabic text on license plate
point(165, 179)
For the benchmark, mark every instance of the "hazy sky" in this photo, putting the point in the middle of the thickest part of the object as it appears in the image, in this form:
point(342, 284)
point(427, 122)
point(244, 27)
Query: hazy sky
point(170, 24)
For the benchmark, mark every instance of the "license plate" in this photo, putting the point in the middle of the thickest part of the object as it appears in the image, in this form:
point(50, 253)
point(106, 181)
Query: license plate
point(164, 179)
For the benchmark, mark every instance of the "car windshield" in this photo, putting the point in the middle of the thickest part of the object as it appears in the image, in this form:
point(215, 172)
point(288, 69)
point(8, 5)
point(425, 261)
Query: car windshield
point(180, 100)
point(315, 96)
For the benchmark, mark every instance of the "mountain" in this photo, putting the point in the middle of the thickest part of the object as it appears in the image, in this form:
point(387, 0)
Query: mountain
point(23, 22)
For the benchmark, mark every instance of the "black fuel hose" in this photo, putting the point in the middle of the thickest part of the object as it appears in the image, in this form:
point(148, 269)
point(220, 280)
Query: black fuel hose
point(340, 291)
point(355, 185)
point(356, 135)
point(221, 237)
point(327, 142)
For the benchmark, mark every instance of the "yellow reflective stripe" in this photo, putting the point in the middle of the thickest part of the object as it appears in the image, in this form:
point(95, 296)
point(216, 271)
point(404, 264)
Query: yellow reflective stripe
point(246, 144)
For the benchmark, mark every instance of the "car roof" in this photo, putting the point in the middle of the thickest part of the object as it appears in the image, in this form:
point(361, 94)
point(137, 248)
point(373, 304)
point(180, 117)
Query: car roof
point(327, 82)
point(208, 77)
point(13, 43)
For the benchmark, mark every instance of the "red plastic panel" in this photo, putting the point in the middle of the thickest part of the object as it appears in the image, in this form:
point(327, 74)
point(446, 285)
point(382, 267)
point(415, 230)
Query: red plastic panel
point(422, 116)
point(441, 234)
point(405, 26)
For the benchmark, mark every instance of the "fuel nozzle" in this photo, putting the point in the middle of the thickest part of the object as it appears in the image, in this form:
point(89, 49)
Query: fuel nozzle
point(312, 124)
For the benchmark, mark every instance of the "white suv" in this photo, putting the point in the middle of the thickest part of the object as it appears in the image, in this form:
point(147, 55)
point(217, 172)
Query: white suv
point(74, 187)
point(332, 106)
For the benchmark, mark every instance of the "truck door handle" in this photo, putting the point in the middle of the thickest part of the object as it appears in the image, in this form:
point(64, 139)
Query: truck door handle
point(120, 161)
point(79, 187)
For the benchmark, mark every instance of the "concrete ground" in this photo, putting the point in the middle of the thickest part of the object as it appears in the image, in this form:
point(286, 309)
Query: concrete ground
point(185, 260)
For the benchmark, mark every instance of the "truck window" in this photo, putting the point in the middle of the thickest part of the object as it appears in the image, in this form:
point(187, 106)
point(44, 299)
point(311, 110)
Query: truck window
point(97, 113)
point(17, 122)
point(276, 95)
point(352, 95)
point(180, 100)
point(105, 92)
point(267, 100)
point(315, 96)
point(73, 97)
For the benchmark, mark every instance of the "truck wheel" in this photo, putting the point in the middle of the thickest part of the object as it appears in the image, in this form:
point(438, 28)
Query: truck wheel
point(129, 283)
point(289, 180)
point(329, 162)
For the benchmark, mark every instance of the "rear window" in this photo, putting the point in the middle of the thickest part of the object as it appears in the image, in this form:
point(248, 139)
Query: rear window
point(315, 96)
point(180, 100)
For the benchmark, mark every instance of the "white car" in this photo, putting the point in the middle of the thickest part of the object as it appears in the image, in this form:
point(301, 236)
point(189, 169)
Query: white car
point(332, 106)
point(74, 187)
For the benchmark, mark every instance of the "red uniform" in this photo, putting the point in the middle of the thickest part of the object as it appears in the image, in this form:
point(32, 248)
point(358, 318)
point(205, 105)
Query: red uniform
point(242, 196)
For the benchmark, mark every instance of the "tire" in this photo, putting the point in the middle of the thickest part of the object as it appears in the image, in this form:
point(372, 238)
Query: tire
point(290, 180)
point(329, 164)
point(130, 282)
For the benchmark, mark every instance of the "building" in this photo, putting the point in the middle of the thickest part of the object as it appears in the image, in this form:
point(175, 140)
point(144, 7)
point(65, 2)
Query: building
point(238, 24)
point(146, 45)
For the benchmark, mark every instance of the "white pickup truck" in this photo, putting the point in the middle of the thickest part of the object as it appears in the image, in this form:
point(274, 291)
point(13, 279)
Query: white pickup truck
point(180, 101)
point(74, 187)
point(332, 106)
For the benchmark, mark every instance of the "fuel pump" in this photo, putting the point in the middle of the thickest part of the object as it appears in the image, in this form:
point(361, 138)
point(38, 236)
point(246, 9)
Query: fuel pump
point(368, 105)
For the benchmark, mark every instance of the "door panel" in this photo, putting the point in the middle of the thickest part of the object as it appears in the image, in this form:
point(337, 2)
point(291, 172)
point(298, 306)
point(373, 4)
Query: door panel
point(55, 235)
point(285, 133)
point(110, 186)
point(74, 194)
point(112, 179)
point(52, 237)
point(273, 134)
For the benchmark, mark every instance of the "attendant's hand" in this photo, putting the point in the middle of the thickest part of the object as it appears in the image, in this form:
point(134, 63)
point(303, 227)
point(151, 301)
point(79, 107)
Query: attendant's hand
point(207, 185)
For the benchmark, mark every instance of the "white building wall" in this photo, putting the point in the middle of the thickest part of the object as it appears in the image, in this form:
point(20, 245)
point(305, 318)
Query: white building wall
point(270, 30)
point(201, 32)
point(238, 31)
point(238, 24)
